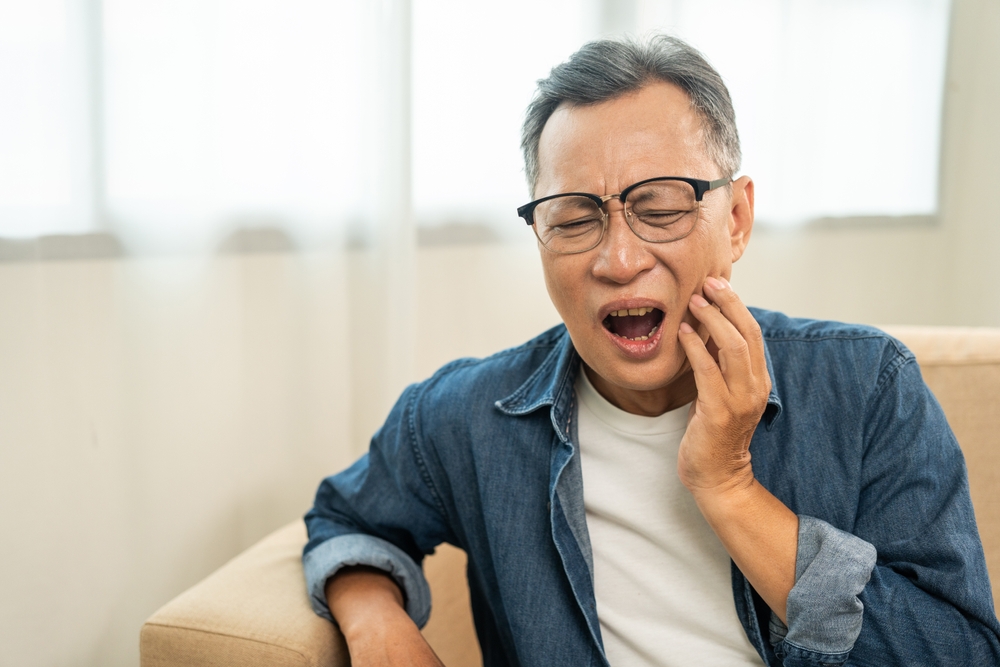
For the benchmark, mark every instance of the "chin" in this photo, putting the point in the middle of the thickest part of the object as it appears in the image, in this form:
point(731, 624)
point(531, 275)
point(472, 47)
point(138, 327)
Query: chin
point(646, 375)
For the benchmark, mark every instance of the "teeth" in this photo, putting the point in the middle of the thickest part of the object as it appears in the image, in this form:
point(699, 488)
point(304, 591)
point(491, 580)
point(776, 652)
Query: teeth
point(626, 312)
point(638, 338)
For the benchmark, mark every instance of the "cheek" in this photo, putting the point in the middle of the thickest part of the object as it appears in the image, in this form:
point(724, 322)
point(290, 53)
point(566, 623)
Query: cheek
point(564, 281)
point(710, 253)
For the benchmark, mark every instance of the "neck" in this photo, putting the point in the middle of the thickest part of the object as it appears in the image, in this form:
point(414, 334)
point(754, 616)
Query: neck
point(651, 402)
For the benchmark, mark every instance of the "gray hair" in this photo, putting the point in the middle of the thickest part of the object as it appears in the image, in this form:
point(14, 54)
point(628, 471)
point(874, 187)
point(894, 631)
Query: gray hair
point(606, 69)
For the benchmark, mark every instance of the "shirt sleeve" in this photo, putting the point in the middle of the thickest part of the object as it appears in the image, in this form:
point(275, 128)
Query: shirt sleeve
point(330, 556)
point(384, 512)
point(824, 611)
point(908, 584)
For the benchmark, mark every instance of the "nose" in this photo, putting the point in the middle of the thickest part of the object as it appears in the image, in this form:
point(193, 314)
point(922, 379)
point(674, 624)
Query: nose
point(622, 255)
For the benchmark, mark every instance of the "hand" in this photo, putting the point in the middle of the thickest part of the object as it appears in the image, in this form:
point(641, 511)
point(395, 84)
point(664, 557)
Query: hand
point(733, 384)
point(730, 370)
point(368, 606)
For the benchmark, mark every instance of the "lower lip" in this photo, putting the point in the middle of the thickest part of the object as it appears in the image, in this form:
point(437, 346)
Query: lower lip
point(638, 349)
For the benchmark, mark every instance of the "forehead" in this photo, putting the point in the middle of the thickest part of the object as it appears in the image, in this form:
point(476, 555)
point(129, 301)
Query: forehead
point(602, 148)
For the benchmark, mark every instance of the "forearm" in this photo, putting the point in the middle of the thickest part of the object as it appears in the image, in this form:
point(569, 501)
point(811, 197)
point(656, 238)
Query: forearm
point(369, 608)
point(760, 534)
point(362, 596)
point(713, 462)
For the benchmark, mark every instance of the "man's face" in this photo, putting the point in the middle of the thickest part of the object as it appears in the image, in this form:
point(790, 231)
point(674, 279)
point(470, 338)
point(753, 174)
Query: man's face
point(602, 149)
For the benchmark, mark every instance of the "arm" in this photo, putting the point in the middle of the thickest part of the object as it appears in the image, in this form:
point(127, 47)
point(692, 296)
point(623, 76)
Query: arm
point(758, 530)
point(929, 600)
point(369, 529)
point(368, 607)
point(926, 600)
point(759, 533)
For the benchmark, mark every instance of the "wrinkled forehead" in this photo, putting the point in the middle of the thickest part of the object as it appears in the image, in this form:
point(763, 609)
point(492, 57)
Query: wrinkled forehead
point(603, 148)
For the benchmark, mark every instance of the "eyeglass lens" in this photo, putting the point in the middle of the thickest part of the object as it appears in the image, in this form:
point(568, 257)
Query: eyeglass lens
point(657, 212)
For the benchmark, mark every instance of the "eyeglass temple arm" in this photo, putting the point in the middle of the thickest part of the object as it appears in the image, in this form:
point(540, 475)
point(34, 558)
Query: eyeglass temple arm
point(711, 185)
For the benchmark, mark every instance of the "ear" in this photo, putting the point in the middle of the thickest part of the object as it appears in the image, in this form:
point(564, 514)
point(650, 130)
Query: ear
point(741, 216)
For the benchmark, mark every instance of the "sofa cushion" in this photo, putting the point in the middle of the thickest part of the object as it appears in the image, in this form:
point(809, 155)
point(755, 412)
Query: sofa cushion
point(252, 611)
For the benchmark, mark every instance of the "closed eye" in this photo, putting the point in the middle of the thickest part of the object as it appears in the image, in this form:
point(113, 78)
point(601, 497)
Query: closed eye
point(660, 218)
point(575, 225)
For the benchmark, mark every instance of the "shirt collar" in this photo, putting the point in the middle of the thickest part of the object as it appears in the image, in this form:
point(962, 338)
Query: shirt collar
point(550, 384)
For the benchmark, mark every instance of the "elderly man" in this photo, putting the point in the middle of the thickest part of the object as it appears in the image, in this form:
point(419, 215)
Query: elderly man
point(668, 477)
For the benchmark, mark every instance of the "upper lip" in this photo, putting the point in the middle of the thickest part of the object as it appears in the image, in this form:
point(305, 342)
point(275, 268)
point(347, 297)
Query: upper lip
point(626, 304)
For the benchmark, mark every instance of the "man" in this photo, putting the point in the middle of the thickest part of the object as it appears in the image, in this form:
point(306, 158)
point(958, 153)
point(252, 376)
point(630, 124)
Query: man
point(669, 478)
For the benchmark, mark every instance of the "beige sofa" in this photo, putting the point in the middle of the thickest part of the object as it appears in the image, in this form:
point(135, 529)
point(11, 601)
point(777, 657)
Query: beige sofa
point(254, 610)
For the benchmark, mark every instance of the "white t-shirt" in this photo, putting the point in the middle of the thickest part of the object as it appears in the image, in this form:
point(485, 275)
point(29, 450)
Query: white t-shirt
point(661, 576)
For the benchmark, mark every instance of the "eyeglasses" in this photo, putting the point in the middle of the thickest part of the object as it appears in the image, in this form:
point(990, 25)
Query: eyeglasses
point(658, 210)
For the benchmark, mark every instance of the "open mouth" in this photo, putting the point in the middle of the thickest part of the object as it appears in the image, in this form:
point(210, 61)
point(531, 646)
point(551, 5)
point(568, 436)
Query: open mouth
point(634, 323)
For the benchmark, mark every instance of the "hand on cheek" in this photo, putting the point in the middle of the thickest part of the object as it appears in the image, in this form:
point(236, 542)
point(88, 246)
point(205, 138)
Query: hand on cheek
point(733, 384)
point(758, 531)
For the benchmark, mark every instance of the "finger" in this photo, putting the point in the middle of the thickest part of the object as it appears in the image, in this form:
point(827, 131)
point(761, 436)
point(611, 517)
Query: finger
point(722, 294)
point(705, 337)
point(707, 374)
point(734, 353)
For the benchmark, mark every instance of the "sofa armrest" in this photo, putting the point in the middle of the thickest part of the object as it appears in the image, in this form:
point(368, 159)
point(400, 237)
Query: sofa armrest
point(252, 611)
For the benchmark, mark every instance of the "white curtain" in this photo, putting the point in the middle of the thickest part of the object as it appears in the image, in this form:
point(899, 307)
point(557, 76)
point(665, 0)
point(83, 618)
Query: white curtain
point(171, 123)
point(46, 131)
point(838, 102)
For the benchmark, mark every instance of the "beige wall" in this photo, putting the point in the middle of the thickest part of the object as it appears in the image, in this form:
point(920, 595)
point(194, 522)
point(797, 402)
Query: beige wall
point(158, 415)
point(155, 417)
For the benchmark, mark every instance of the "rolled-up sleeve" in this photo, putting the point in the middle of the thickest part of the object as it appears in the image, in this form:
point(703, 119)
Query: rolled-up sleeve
point(330, 556)
point(824, 612)
point(383, 512)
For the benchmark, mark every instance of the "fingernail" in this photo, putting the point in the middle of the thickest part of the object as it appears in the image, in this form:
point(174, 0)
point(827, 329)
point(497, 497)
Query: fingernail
point(699, 300)
point(717, 283)
point(686, 328)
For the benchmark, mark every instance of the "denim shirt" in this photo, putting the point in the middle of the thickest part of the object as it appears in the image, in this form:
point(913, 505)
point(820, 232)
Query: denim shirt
point(889, 567)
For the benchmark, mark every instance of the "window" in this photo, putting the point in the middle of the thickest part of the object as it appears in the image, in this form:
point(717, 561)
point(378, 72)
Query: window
point(474, 72)
point(838, 102)
point(171, 122)
point(46, 134)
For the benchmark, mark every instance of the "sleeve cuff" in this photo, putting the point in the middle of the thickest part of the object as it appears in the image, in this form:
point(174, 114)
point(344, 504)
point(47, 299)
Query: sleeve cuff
point(325, 560)
point(824, 612)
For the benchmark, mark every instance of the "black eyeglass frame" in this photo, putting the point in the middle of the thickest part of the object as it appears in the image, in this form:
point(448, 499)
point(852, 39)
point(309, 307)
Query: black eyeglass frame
point(700, 188)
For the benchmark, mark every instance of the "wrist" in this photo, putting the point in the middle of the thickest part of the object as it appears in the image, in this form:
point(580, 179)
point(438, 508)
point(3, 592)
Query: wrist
point(363, 600)
point(733, 492)
point(718, 478)
point(375, 621)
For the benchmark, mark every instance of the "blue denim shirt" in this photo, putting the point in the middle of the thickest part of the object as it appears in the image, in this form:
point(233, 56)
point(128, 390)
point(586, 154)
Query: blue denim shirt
point(889, 568)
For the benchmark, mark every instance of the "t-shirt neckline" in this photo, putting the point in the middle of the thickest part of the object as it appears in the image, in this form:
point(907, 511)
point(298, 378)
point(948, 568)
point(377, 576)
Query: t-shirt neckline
point(669, 422)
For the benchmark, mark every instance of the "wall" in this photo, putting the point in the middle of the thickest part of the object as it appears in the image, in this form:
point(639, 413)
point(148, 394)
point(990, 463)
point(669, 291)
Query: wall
point(156, 416)
point(159, 415)
point(971, 170)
